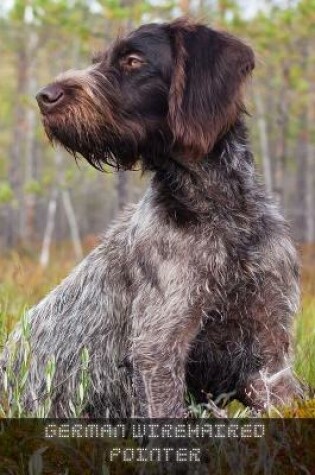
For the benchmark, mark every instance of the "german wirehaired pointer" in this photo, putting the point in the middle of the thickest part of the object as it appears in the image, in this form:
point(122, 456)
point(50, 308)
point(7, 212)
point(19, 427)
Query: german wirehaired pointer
point(194, 288)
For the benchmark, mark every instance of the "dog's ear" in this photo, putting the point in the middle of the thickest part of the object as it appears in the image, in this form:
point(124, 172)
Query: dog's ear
point(205, 91)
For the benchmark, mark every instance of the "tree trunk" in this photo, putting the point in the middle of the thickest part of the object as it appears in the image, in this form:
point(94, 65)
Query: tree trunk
point(73, 225)
point(302, 152)
point(282, 123)
point(302, 157)
point(264, 145)
point(13, 230)
point(51, 213)
point(69, 211)
point(30, 197)
point(50, 225)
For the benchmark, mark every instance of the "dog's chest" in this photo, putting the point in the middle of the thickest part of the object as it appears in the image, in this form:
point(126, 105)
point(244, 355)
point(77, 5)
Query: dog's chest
point(196, 264)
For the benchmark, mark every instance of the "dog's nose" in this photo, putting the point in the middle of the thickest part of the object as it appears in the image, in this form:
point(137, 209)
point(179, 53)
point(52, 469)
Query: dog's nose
point(49, 97)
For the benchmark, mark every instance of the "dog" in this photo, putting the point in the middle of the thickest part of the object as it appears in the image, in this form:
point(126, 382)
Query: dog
point(195, 287)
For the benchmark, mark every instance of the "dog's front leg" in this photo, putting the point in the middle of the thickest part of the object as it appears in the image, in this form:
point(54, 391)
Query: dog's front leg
point(159, 384)
point(159, 353)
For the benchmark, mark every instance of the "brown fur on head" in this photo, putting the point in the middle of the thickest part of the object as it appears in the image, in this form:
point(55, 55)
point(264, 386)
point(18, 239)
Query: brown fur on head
point(205, 93)
point(165, 91)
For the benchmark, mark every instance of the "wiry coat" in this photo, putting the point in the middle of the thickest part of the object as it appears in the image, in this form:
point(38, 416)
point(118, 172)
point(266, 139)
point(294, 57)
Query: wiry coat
point(193, 288)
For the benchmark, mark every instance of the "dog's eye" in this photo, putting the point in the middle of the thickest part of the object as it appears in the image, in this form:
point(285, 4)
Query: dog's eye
point(132, 61)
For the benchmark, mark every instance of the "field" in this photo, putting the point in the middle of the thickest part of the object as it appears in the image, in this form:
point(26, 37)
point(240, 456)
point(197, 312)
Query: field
point(23, 283)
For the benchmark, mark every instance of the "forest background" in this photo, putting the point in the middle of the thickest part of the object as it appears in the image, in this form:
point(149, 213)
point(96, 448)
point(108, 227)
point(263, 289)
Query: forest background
point(52, 211)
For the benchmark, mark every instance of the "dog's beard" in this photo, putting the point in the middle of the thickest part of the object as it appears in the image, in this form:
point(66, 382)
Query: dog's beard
point(97, 144)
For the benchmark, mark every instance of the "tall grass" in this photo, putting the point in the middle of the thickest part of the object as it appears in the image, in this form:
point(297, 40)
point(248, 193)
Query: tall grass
point(305, 323)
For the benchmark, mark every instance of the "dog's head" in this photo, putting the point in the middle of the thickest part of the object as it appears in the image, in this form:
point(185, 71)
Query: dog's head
point(164, 91)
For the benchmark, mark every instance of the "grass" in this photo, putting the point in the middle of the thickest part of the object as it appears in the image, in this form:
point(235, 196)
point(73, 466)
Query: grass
point(23, 283)
point(305, 323)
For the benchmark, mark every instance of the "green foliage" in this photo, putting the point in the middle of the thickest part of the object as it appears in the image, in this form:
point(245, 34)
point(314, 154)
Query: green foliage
point(6, 193)
point(15, 378)
point(33, 187)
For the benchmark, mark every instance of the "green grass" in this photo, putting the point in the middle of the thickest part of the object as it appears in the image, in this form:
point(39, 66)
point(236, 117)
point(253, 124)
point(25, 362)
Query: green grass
point(305, 344)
